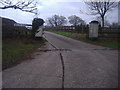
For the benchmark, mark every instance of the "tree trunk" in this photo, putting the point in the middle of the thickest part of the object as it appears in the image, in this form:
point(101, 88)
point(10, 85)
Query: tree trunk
point(102, 21)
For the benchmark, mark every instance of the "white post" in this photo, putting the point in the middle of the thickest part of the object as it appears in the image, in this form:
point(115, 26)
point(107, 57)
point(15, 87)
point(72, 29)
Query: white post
point(93, 30)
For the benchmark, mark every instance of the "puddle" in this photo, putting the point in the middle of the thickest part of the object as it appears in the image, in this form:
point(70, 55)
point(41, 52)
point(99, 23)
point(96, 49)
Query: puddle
point(69, 50)
point(75, 50)
point(104, 49)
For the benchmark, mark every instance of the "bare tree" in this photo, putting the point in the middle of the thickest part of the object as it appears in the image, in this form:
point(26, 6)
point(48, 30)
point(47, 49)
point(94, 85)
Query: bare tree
point(24, 5)
point(106, 22)
point(50, 22)
point(101, 8)
point(56, 20)
point(75, 20)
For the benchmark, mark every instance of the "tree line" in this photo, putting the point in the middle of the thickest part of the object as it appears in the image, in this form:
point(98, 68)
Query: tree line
point(74, 20)
point(57, 20)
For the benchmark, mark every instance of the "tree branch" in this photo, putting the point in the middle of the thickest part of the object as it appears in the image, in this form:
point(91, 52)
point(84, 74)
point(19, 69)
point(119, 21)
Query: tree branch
point(27, 6)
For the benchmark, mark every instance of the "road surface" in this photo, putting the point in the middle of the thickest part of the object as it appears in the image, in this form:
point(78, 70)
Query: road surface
point(65, 63)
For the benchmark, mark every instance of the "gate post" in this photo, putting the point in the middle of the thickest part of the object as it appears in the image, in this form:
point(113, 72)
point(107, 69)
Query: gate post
point(37, 27)
point(93, 30)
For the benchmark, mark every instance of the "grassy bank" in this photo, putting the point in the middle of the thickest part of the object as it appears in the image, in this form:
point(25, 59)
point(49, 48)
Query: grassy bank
point(16, 50)
point(82, 37)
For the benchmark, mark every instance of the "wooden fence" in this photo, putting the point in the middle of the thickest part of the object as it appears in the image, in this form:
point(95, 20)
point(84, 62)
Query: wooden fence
point(21, 31)
point(79, 29)
point(106, 32)
point(109, 32)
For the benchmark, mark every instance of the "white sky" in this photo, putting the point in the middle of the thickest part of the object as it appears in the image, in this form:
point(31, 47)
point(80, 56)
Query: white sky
point(47, 8)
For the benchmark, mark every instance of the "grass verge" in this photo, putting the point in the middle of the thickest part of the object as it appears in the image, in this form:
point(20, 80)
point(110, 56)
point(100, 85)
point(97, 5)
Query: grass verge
point(82, 37)
point(16, 50)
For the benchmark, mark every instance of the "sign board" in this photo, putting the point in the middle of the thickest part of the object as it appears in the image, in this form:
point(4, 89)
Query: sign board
point(39, 32)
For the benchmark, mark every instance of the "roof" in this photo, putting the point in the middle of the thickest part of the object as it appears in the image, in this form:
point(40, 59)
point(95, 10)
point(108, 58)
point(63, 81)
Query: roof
point(94, 22)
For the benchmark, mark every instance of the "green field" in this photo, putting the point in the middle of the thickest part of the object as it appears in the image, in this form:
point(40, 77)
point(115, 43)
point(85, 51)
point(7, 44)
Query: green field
point(111, 44)
point(15, 51)
point(82, 37)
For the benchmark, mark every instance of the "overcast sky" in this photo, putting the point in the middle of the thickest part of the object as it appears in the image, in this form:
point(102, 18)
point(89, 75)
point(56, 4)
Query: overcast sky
point(47, 8)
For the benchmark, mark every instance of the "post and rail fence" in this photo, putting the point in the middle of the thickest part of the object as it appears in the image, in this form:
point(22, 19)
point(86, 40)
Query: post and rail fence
point(105, 32)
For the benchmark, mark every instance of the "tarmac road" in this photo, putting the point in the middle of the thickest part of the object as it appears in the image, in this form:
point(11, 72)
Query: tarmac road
point(65, 63)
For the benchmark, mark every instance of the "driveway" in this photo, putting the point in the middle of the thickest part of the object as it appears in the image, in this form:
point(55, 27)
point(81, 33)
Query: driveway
point(65, 63)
